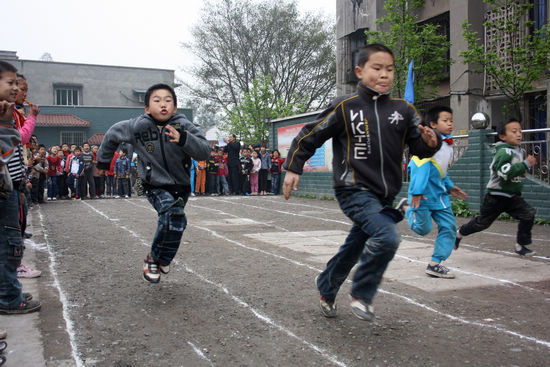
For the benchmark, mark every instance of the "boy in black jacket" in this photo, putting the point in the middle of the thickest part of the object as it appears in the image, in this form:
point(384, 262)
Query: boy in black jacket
point(165, 142)
point(368, 130)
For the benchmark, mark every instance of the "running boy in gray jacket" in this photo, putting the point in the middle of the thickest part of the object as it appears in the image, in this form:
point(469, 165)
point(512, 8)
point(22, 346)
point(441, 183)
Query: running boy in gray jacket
point(165, 142)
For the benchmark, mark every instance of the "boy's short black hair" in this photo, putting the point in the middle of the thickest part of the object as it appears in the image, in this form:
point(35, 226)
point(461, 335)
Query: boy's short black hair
point(125, 151)
point(157, 87)
point(501, 130)
point(433, 114)
point(41, 146)
point(365, 52)
point(78, 148)
point(6, 66)
point(21, 76)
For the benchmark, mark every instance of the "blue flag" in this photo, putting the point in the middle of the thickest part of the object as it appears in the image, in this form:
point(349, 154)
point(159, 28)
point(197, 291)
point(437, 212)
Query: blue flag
point(409, 87)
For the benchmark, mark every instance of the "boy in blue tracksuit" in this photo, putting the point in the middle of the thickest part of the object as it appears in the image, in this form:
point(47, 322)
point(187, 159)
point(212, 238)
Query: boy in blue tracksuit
point(369, 130)
point(429, 193)
point(165, 142)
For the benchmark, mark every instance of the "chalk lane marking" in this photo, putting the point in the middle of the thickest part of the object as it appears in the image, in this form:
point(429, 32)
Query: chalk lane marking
point(69, 326)
point(256, 313)
point(200, 353)
point(407, 299)
point(488, 277)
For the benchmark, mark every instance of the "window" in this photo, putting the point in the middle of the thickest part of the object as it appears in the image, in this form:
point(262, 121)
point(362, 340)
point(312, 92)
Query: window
point(539, 13)
point(357, 40)
point(67, 96)
point(72, 137)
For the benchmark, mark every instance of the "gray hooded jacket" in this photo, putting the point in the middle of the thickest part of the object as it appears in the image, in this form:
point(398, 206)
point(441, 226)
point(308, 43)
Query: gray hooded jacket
point(160, 163)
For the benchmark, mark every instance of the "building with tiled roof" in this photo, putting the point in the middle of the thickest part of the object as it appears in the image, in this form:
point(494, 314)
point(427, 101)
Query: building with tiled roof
point(61, 120)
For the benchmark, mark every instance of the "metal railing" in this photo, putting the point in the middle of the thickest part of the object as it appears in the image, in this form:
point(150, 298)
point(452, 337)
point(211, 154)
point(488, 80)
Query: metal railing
point(535, 142)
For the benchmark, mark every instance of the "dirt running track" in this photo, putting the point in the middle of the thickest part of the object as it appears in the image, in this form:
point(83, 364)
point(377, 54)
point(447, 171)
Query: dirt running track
point(241, 291)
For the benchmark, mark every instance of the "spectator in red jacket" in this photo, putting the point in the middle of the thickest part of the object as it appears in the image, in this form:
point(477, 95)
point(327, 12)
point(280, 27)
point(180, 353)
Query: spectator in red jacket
point(276, 166)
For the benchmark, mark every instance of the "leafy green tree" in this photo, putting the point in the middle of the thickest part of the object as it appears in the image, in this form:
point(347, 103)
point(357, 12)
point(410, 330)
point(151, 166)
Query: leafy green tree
point(249, 119)
point(408, 40)
point(238, 41)
point(516, 56)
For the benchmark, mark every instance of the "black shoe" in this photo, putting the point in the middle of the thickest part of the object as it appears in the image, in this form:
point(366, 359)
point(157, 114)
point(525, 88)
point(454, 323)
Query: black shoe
point(402, 206)
point(24, 307)
point(524, 251)
point(27, 235)
point(457, 240)
point(3, 346)
point(26, 296)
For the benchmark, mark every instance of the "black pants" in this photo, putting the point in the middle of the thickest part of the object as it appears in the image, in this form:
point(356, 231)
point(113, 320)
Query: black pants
point(87, 183)
point(234, 183)
point(493, 206)
point(38, 186)
point(262, 180)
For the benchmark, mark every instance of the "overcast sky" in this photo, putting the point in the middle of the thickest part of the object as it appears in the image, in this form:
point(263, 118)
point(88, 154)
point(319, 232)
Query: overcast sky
point(144, 33)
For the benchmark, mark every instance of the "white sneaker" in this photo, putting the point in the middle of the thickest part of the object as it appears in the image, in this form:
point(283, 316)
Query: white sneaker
point(126, 196)
point(49, 199)
point(54, 199)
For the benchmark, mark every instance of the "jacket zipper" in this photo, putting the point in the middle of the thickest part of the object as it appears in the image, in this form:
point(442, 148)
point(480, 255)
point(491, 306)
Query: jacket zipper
point(380, 146)
point(161, 138)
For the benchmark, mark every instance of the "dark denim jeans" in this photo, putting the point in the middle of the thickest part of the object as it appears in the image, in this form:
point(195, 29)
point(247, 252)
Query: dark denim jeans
point(170, 226)
point(372, 240)
point(11, 250)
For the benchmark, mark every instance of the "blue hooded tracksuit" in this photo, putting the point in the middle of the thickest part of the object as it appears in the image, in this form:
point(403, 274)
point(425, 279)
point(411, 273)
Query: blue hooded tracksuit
point(429, 178)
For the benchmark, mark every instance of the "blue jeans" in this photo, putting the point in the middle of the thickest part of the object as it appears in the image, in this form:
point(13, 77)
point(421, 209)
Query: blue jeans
point(73, 182)
point(11, 250)
point(372, 240)
point(52, 187)
point(275, 183)
point(170, 225)
point(222, 186)
point(420, 221)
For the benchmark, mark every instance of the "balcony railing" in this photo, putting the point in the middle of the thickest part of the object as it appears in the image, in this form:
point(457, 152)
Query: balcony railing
point(535, 142)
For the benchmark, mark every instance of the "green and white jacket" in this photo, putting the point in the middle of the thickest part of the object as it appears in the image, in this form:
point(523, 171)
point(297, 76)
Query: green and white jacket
point(507, 168)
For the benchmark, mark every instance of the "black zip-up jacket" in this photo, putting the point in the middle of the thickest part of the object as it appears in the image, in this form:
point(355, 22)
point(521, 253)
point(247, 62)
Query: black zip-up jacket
point(369, 131)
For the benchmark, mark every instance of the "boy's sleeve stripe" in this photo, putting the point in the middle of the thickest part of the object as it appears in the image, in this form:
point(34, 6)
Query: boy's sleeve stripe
point(312, 130)
point(348, 142)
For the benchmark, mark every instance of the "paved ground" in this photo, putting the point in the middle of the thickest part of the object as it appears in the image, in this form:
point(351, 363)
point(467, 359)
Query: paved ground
point(240, 292)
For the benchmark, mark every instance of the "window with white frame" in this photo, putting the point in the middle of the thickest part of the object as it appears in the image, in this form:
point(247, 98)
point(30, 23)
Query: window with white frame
point(67, 96)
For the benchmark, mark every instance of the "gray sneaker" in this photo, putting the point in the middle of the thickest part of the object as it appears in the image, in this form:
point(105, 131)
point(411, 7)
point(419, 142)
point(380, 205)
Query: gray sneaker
point(361, 309)
point(327, 308)
point(439, 271)
point(24, 307)
point(402, 206)
point(164, 269)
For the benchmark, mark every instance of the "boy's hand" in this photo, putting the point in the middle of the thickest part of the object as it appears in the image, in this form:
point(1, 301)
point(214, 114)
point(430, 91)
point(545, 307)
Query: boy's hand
point(458, 193)
point(531, 160)
point(173, 134)
point(428, 135)
point(291, 182)
point(35, 110)
point(415, 200)
point(6, 111)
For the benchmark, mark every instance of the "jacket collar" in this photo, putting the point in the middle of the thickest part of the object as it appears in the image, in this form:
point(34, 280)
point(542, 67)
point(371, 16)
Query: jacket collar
point(369, 93)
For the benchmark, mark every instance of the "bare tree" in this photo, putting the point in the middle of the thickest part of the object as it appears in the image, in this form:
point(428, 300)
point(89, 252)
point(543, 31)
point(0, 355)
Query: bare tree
point(238, 41)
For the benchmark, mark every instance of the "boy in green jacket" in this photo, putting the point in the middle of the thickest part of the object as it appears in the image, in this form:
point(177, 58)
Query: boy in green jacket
point(504, 189)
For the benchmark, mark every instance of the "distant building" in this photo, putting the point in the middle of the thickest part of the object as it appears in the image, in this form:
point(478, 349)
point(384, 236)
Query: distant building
point(465, 92)
point(81, 101)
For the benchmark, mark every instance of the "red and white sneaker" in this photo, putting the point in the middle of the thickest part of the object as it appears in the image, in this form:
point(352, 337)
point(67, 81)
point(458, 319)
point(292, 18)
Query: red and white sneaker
point(23, 271)
point(151, 271)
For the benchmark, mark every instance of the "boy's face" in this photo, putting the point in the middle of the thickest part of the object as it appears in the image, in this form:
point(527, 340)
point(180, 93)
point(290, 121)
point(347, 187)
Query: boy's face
point(161, 105)
point(512, 134)
point(23, 88)
point(65, 147)
point(377, 72)
point(95, 149)
point(73, 147)
point(86, 148)
point(444, 124)
point(77, 152)
point(54, 150)
point(42, 151)
point(8, 86)
point(60, 154)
